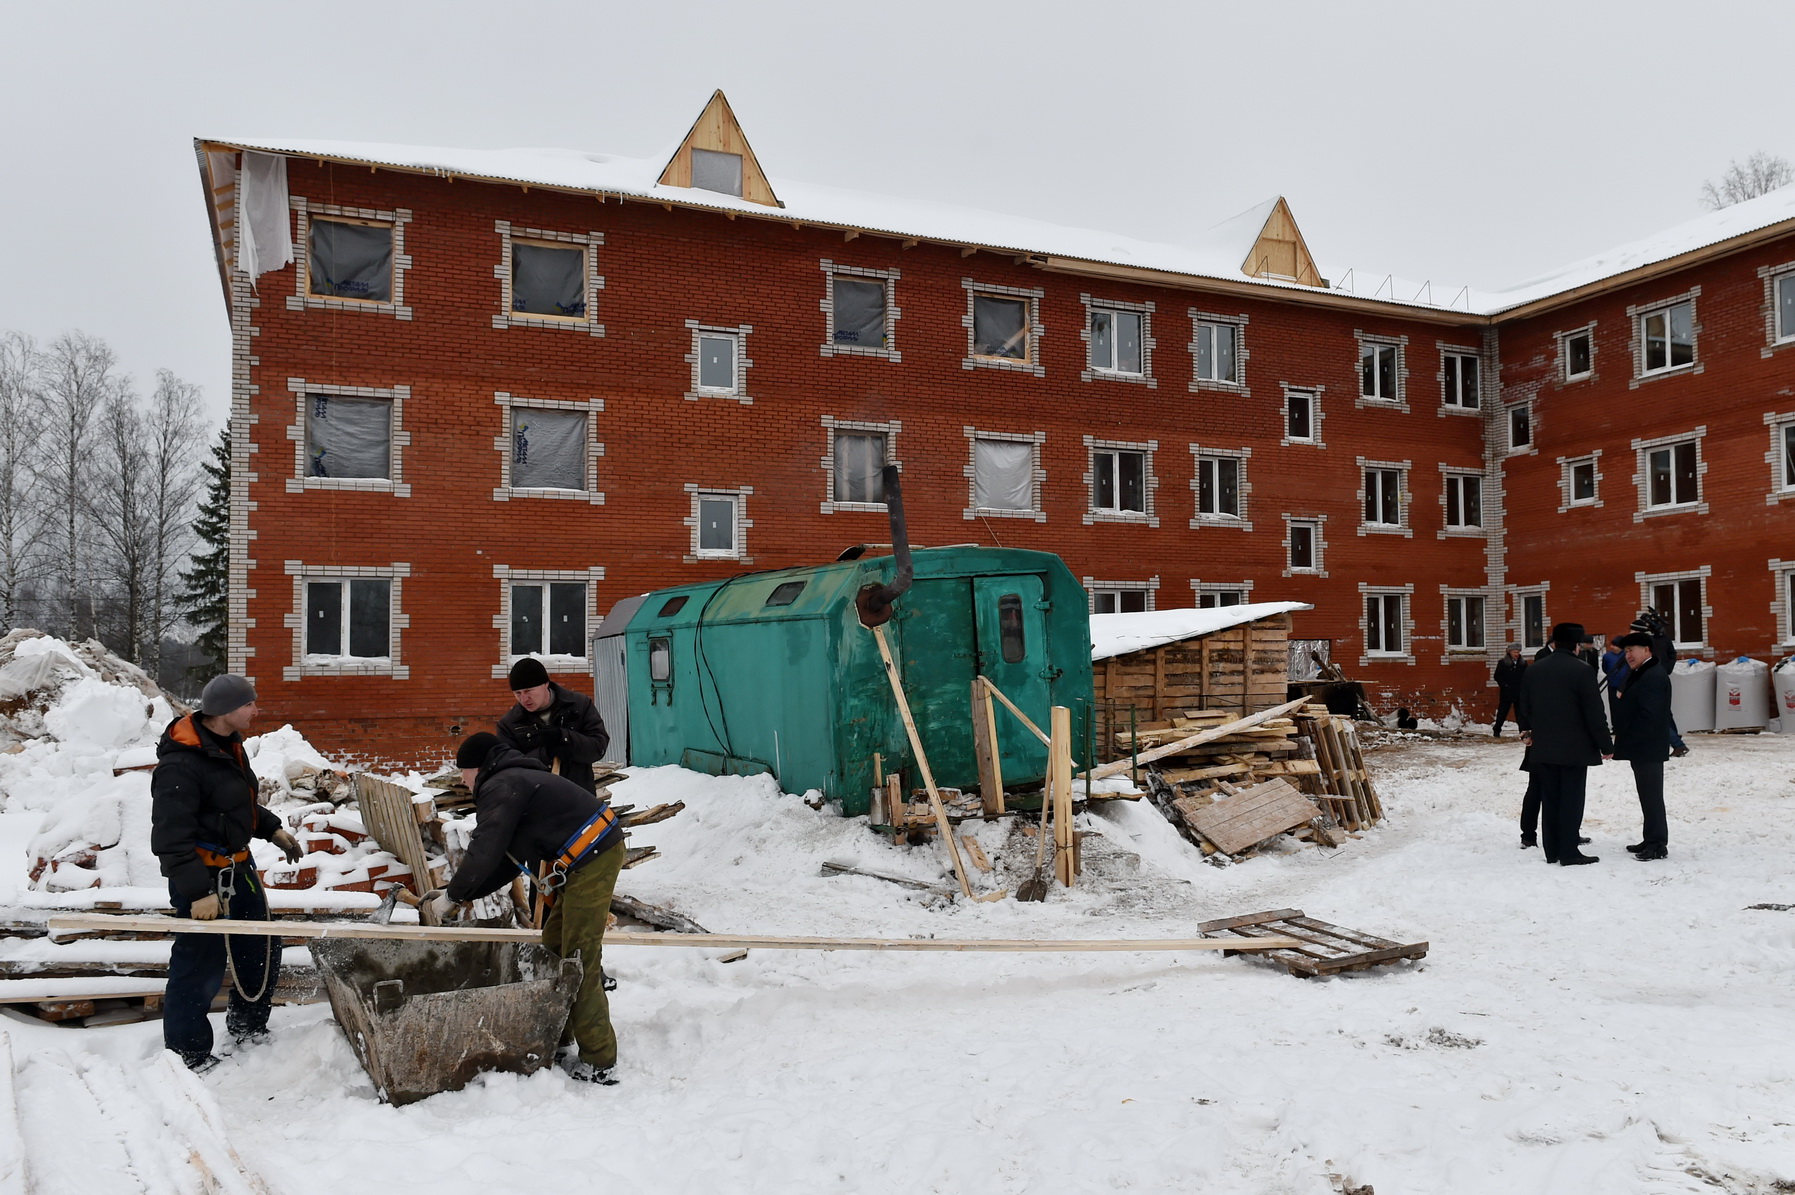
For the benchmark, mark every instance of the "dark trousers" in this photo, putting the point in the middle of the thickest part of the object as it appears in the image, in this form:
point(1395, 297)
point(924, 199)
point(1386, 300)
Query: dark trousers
point(1676, 736)
point(1530, 809)
point(576, 925)
point(1561, 791)
point(1648, 778)
point(1505, 705)
point(196, 972)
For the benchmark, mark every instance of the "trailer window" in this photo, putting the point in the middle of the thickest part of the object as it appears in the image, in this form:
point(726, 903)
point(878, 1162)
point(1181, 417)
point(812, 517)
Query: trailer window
point(1009, 628)
point(660, 660)
point(786, 594)
point(672, 606)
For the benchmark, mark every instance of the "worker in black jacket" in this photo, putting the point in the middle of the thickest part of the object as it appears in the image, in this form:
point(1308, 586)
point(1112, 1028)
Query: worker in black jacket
point(1562, 723)
point(525, 817)
point(1642, 738)
point(1656, 626)
point(203, 813)
point(1507, 675)
point(556, 727)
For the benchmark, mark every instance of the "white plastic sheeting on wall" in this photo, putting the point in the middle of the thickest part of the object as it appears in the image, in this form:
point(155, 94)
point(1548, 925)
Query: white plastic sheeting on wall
point(1782, 683)
point(1692, 695)
point(1741, 694)
point(1004, 475)
point(265, 222)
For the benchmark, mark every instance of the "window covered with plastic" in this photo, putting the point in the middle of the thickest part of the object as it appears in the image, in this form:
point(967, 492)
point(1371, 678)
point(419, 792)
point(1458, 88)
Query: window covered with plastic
point(348, 437)
point(1003, 474)
point(1000, 327)
point(548, 449)
point(548, 280)
point(351, 261)
point(859, 467)
point(859, 305)
point(713, 170)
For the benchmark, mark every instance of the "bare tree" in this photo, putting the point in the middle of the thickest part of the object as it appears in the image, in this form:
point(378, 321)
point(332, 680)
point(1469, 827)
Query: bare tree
point(18, 499)
point(119, 508)
point(174, 442)
point(1760, 174)
point(77, 373)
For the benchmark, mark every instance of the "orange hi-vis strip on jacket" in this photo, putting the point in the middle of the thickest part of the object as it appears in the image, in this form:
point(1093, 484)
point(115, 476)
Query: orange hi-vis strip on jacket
point(212, 858)
point(576, 850)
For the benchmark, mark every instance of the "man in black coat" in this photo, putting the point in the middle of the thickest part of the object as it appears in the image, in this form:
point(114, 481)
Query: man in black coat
point(526, 817)
point(552, 725)
point(1642, 738)
point(1507, 675)
point(203, 813)
point(1655, 626)
point(1562, 723)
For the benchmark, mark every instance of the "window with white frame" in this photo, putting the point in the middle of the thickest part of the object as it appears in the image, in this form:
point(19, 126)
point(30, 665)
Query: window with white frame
point(1667, 338)
point(1386, 629)
point(1783, 306)
point(1577, 352)
point(350, 259)
point(1212, 597)
point(1464, 621)
point(1303, 545)
point(1582, 481)
point(1302, 416)
point(1781, 455)
point(859, 312)
point(348, 616)
point(1118, 481)
point(1383, 496)
point(548, 618)
point(1673, 476)
point(1005, 474)
point(1220, 479)
point(1680, 598)
point(1459, 380)
point(548, 278)
point(1380, 370)
point(719, 361)
point(718, 523)
point(1117, 341)
point(1118, 601)
point(1782, 572)
point(1218, 351)
point(1520, 427)
point(1530, 608)
point(1464, 502)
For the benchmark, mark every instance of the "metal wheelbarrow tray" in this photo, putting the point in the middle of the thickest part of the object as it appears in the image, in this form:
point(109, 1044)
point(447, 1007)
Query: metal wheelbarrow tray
point(426, 1017)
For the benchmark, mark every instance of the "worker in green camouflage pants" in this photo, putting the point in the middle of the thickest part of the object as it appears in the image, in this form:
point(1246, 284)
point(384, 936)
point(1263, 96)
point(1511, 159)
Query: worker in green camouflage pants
point(576, 925)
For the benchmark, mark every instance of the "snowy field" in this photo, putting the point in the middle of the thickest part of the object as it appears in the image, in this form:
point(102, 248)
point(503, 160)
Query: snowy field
point(1625, 1027)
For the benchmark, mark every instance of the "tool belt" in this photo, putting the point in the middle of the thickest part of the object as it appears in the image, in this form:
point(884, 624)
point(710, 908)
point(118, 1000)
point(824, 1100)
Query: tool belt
point(575, 851)
point(213, 856)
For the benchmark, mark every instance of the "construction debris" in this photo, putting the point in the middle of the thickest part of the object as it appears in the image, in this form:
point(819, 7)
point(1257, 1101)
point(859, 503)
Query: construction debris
point(1325, 949)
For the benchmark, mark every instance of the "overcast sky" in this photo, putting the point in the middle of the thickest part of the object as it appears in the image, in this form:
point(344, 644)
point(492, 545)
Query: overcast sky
point(1479, 143)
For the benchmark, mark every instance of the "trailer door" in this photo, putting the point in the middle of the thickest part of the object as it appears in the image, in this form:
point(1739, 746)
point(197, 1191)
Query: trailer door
point(1012, 653)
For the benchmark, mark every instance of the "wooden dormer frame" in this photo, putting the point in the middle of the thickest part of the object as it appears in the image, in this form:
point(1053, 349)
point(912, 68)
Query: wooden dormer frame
point(1280, 251)
point(718, 130)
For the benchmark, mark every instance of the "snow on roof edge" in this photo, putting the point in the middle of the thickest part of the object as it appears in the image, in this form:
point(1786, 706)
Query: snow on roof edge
point(1120, 634)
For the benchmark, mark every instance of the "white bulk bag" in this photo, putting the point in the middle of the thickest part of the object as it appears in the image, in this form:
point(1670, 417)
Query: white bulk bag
point(1782, 683)
point(1741, 694)
point(1692, 695)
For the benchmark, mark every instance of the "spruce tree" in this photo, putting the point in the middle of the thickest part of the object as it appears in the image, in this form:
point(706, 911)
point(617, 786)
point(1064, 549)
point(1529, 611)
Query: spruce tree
point(205, 597)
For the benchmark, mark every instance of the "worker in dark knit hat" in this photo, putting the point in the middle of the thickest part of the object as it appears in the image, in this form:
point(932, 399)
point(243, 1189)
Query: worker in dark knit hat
point(531, 821)
point(556, 727)
point(203, 813)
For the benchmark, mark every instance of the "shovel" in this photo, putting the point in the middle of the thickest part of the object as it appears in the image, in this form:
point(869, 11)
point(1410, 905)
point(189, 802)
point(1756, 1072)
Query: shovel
point(1035, 886)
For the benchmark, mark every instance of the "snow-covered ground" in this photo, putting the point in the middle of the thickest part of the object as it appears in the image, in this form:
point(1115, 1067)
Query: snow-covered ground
point(1625, 1027)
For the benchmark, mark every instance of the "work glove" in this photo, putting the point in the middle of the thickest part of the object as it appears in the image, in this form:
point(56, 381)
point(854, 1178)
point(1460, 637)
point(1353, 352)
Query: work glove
point(435, 907)
point(288, 844)
point(552, 737)
point(205, 908)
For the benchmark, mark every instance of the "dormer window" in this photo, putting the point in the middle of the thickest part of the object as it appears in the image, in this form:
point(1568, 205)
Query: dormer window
point(716, 171)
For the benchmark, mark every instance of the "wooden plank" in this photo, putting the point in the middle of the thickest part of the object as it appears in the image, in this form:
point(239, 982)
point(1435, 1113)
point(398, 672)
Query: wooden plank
point(1254, 815)
point(1210, 927)
point(449, 933)
point(984, 742)
point(1196, 740)
point(922, 760)
point(1011, 706)
point(975, 852)
point(388, 811)
point(1059, 778)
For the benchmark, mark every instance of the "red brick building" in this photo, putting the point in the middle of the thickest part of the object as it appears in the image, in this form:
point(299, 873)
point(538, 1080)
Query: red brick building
point(485, 394)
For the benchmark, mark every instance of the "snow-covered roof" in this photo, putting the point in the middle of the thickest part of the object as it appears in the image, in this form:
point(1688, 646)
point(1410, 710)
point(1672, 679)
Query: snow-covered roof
point(1119, 634)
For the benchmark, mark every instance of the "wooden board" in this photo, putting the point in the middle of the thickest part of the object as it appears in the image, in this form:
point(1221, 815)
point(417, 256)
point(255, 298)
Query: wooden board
point(1207, 736)
point(390, 815)
point(1253, 815)
point(1325, 949)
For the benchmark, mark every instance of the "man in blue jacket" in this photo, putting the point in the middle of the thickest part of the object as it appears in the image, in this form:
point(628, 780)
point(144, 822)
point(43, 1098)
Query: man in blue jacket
point(1562, 723)
point(1642, 738)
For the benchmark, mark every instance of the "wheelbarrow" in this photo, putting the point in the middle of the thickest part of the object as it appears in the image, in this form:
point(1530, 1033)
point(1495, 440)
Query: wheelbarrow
point(426, 1017)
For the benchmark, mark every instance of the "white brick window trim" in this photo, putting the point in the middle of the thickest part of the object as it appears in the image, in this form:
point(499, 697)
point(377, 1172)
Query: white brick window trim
point(741, 494)
point(1636, 345)
point(1778, 425)
point(1783, 573)
point(1148, 343)
point(505, 575)
point(1566, 464)
point(1314, 393)
point(1149, 482)
point(892, 312)
point(1460, 350)
point(738, 335)
point(1036, 331)
point(302, 298)
point(973, 509)
point(1457, 655)
point(1405, 499)
point(831, 426)
point(504, 442)
point(1702, 574)
point(1562, 367)
point(1516, 628)
point(1770, 275)
point(1321, 542)
point(1240, 522)
point(1509, 447)
point(1447, 530)
point(1406, 595)
point(595, 282)
point(239, 622)
point(1200, 587)
point(1642, 452)
point(401, 439)
point(397, 620)
point(1239, 325)
point(1401, 343)
point(1150, 587)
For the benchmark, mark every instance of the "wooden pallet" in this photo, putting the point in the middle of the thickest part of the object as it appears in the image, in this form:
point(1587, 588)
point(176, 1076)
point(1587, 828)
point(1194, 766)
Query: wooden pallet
point(1327, 950)
point(1251, 815)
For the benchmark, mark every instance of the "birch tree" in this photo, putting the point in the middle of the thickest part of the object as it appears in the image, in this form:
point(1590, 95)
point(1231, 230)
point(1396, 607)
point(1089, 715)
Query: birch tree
point(118, 508)
point(18, 505)
point(173, 445)
point(78, 374)
point(1757, 175)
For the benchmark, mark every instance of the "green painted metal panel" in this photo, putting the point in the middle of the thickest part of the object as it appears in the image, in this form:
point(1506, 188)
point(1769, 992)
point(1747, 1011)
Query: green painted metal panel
point(1012, 651)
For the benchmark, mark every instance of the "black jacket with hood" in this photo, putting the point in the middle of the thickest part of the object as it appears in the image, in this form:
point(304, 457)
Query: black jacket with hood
point(1642, 714)
point(582, 731)
point(203, 791)
point(524, 815)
